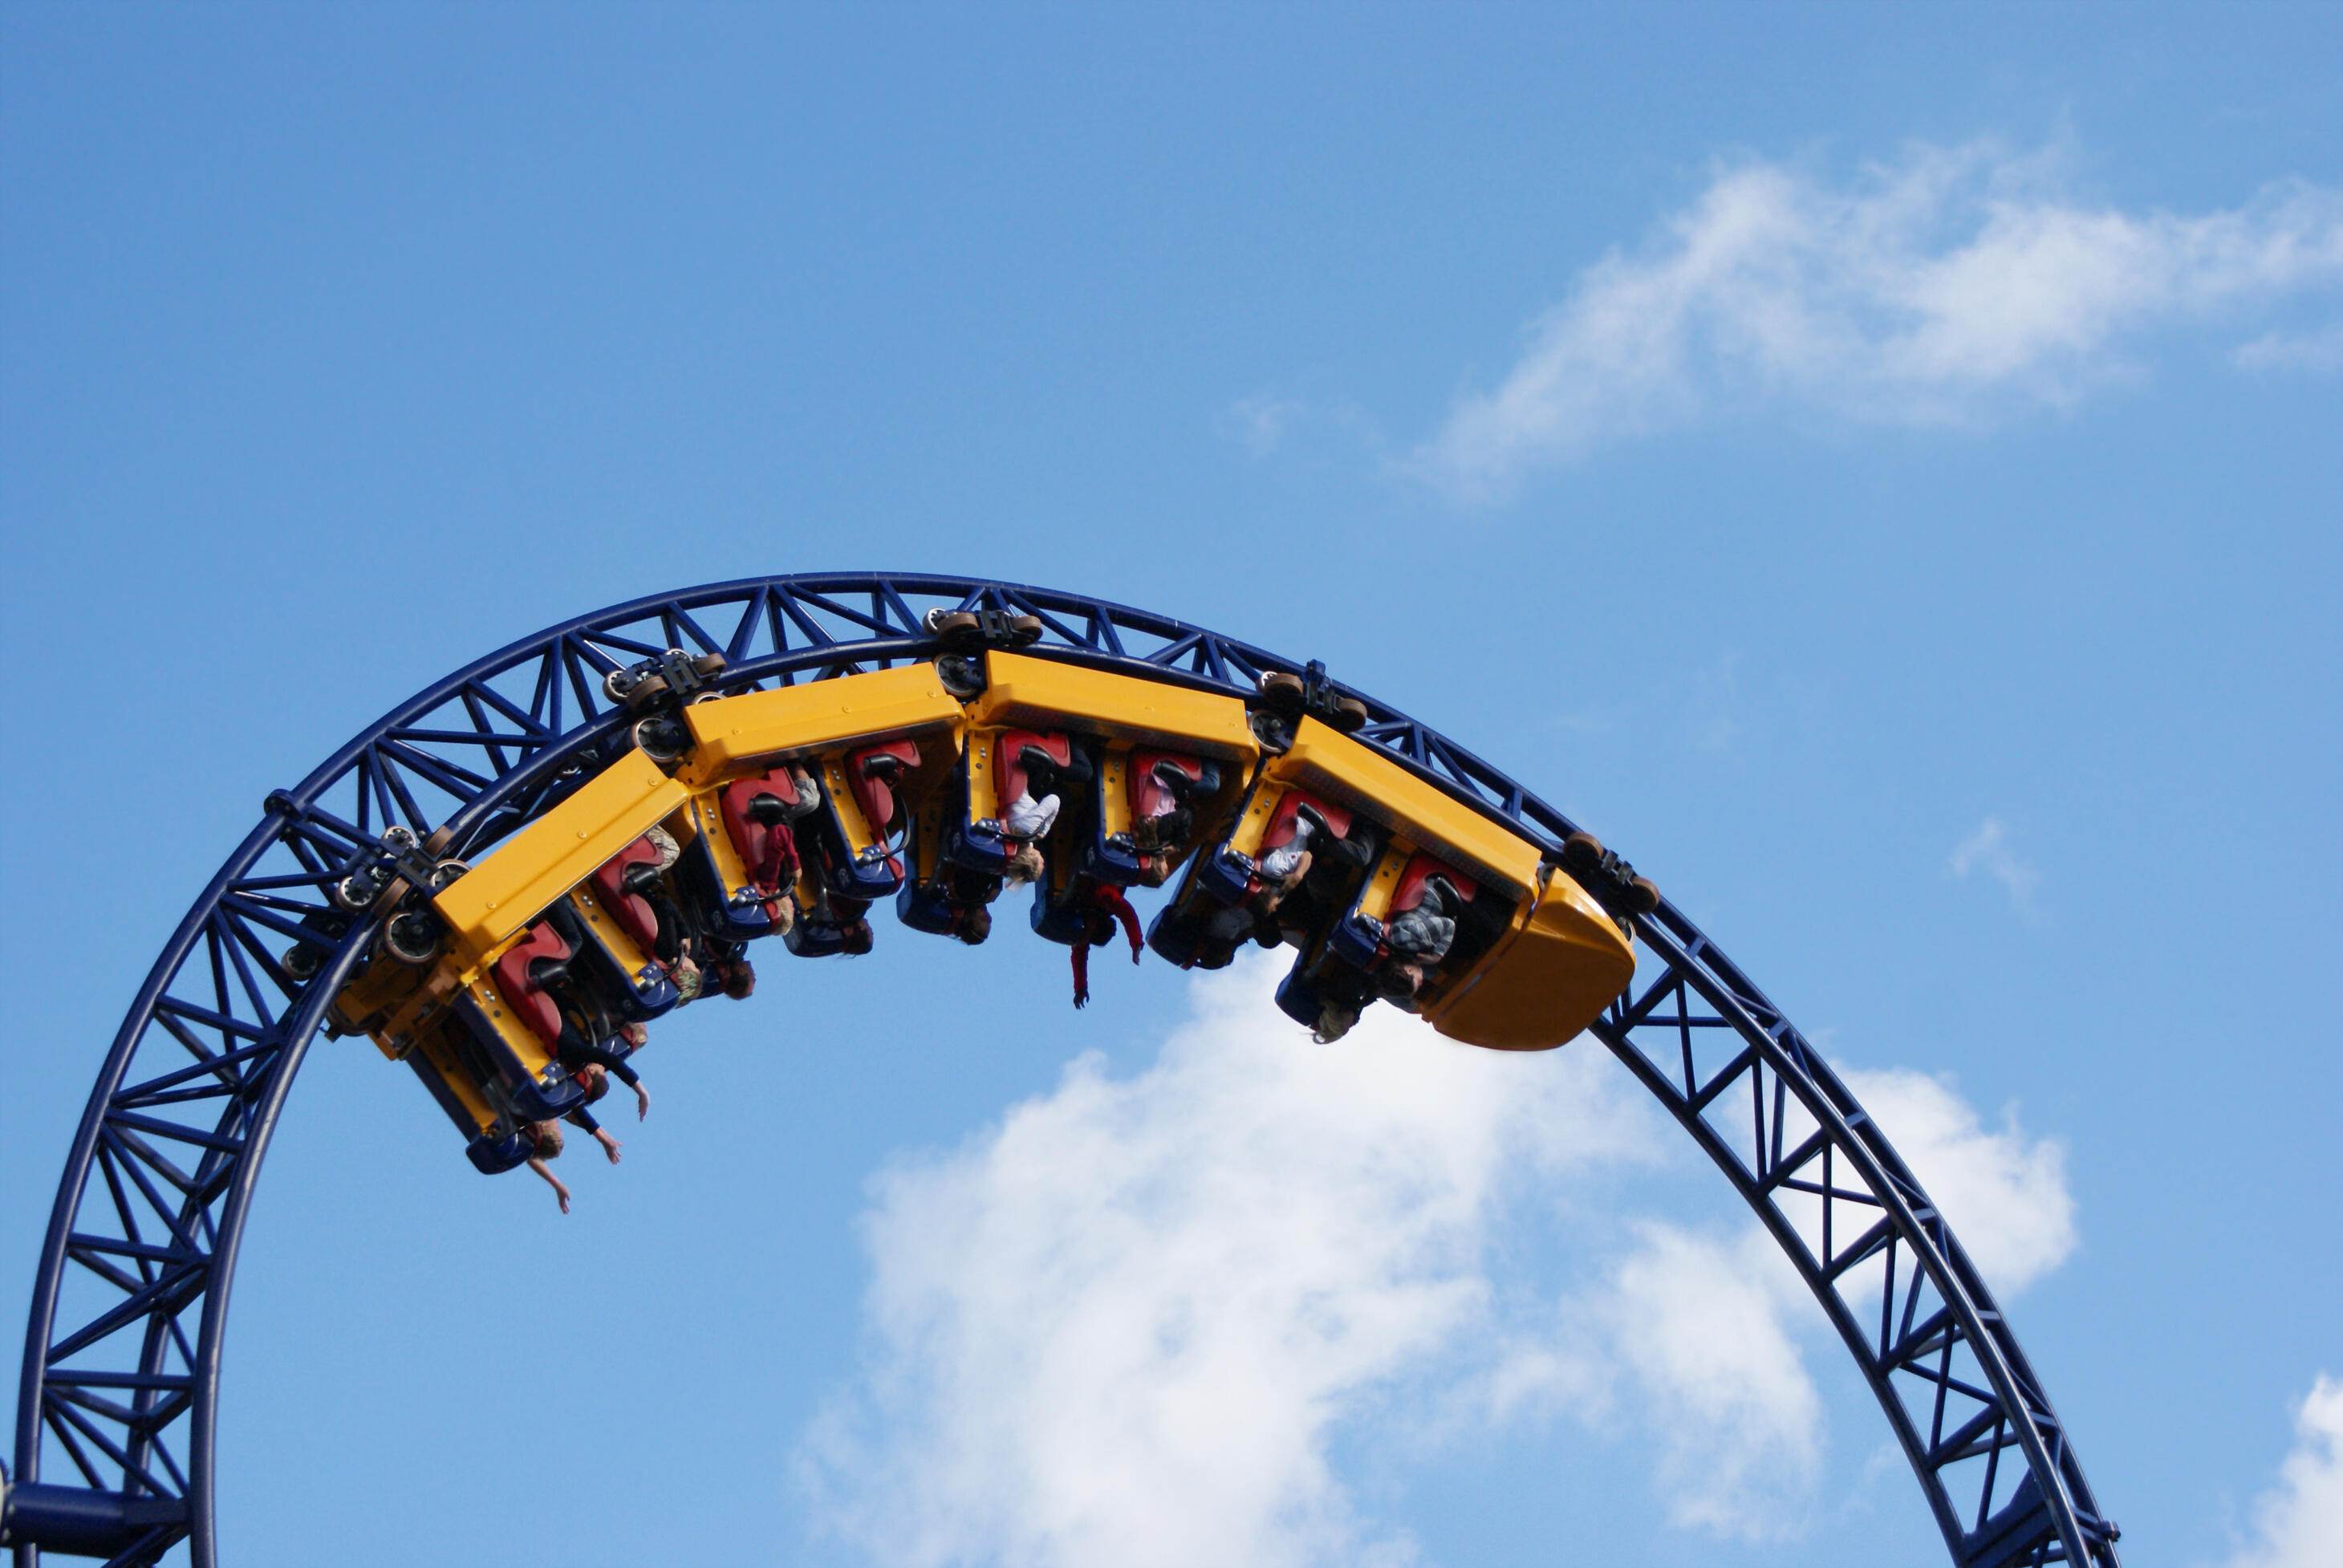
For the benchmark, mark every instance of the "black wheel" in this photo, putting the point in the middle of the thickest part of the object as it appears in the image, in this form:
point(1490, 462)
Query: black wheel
point(616, 684)
point(1582, 852)
point(1273, 732)
point(353, 895)
point(446, 872)
point(412, 938)
point(1024, 629)
point(962, 677)
point(646, 691)
point(1640, 897)
point(1350, 714)
point(662, 739)
point(707, 665)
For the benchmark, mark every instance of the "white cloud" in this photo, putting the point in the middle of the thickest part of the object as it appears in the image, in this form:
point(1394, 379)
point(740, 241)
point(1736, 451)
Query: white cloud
point(1123, 1325)
point(1269, 422)
point(1707, 1331)
point(1943, 288)
point(1262, 421)
point(1988, 850)
point(1698, 1340)
point(1699, 1326)
point(2319, 352)
point(1128, 1324)
point(2299, 1524)
point(2005, 1197)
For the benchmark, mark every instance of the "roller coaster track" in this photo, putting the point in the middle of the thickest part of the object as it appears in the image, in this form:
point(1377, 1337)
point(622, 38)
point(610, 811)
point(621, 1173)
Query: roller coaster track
point(115, 1450)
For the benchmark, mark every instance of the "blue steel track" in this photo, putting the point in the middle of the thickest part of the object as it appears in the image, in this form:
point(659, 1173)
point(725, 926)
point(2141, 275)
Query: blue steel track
point(117, 1405)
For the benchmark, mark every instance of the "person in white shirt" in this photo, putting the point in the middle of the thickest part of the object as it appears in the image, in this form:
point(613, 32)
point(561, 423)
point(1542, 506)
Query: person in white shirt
point(1032, 819)
point(1025, 820)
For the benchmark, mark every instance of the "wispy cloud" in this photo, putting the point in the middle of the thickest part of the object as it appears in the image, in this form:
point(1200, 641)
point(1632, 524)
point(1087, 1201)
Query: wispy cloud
point(2299, 1524)
point(1946, 287)
point(1261, 423)
point(1274, 422)
point(2319, 352)
point(1129, 1323)
point(1988, 850)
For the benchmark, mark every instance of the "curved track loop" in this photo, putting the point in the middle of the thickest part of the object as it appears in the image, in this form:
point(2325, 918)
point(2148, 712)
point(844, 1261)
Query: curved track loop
point(114, 1449)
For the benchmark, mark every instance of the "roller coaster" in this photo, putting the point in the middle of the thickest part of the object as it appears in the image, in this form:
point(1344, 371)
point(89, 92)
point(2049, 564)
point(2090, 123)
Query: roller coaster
point(502, 880)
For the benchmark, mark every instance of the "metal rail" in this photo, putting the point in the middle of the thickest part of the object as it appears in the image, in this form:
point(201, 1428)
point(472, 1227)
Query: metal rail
point(122, 1348)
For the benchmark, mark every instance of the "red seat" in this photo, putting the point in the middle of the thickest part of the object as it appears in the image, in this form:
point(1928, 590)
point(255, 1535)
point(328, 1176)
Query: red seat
point(523, 995)
point(754, 840)
point(1281, 820)
point(1421, 867)
point(640, 921)
point(1148, 797)
point(870, 777)
point(1009, 773)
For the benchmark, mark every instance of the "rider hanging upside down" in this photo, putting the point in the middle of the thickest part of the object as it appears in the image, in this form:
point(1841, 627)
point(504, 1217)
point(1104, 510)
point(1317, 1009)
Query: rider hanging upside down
point(593, 1066)
point(580, 1056)
point(597, 1084)
point(966, 895)
point(1414, 942)
point(1282, 871)
point(1163, 836)
point(545, 1144)
point(1028, 819)
point(644, 881)
point(775, 869)
point(851, 916)
point(1107, 906)
point(1419, 936)
point(1284, 867)
point(735, 977)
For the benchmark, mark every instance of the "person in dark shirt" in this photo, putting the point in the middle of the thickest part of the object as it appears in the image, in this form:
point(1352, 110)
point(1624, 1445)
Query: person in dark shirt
point(735, 977)
point(596, 1080)
point(966, 895)
point(972, 923)
point(577, 1052)
point(853, 930)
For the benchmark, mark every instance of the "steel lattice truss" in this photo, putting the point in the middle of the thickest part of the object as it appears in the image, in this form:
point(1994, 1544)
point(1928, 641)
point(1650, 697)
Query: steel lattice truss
point(114, 1450)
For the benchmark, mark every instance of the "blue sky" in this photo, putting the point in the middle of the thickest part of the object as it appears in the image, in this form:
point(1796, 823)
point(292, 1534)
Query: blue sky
point(1877, 470)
